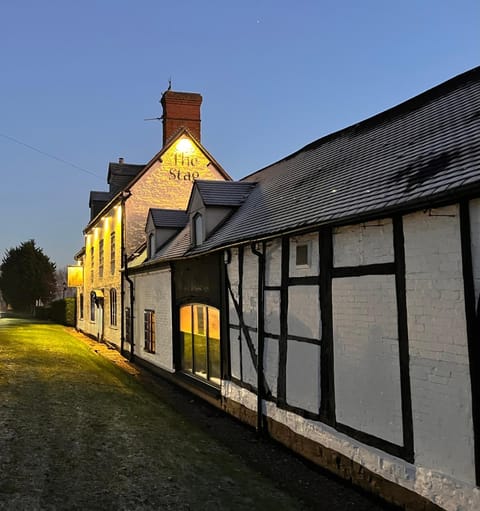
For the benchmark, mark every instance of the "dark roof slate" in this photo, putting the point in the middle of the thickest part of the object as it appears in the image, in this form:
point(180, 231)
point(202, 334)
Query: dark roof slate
point(224, 193)
point(120, 175)
point(420, 151)
point(172, 218)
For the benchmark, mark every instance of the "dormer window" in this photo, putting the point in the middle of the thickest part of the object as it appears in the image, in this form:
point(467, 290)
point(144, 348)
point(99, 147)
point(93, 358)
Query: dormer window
point(151, 245)
point(197, 229)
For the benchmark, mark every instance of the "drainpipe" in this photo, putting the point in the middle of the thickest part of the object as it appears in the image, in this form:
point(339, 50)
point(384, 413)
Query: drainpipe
point(132, 299)
point(260, 334)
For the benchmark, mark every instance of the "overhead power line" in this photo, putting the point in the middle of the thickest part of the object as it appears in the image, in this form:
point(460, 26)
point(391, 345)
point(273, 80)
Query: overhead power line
point(50, 155)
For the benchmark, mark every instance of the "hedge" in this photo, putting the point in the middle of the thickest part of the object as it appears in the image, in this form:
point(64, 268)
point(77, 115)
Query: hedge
point(63, 311)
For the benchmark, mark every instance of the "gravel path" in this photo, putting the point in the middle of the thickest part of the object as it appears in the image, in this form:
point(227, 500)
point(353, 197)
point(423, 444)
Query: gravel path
point(82, 429)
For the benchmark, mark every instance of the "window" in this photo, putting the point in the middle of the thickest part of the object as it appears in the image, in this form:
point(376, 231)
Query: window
point(128, 324)
point(100, 258)
point(80, 307)
point(200, 341)
point(92, 263)
point(149, 329)
point(151, 245)
point(197, 229)
point(113, 307)
point(302, 257)
point(112, 253)
point(92, 307)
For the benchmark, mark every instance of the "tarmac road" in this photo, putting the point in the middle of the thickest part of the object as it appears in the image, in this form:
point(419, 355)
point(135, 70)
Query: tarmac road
point(83, 429)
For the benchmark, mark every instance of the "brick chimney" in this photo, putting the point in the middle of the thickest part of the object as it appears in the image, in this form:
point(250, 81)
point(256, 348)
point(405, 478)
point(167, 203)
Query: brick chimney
point(180, 110)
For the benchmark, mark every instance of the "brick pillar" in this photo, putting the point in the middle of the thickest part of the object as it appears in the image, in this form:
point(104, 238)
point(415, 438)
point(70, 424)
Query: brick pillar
point(180, 109)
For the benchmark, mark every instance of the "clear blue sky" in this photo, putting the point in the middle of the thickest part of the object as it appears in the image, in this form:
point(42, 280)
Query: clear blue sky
point(77, 79)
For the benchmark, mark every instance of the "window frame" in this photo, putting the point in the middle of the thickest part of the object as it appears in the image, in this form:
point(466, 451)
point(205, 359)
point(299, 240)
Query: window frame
point(113, 307)
point(101, 257)
point(112, 252)
point(198, 229)
point(303, 244)
point(149, 330)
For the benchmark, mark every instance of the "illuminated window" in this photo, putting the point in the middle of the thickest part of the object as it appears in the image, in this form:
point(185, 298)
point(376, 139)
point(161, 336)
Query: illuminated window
point(128, 324)
point(200, 341)
point(149, 329)
point(113, 307)
point(100, 258)
point(197, 229)
point(80, 307)
point(112, 253)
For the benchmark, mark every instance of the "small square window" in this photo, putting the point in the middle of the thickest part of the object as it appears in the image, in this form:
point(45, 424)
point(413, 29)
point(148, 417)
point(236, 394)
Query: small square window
point(302, 257)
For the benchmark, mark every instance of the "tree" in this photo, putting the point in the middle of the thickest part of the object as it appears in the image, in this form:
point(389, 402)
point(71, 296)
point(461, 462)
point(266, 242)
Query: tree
point(26, 275)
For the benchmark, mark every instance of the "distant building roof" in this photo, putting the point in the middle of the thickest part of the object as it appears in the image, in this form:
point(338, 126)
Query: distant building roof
point(172, 218)
point(224, 193)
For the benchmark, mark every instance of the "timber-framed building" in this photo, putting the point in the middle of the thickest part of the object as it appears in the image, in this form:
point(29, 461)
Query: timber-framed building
point(331, 299)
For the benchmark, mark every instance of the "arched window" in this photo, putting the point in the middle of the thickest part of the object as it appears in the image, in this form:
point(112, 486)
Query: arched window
point(113, 307)
point(200, 341)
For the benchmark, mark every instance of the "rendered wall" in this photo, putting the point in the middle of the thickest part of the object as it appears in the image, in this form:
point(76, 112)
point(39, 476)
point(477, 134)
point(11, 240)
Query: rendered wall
point(153, 292)
point(94, 280)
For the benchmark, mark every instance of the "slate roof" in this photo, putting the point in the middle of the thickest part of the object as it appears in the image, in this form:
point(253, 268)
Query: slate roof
point(96, 196)
point(416, 154)
point(172, 218)
point(120, 175)
point(176, 248)
point(224, 193)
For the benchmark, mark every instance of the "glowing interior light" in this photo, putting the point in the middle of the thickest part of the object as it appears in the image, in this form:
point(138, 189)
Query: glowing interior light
point(185, 145)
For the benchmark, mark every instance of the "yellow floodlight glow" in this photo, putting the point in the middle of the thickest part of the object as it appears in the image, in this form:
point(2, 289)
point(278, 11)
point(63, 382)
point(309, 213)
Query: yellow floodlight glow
point(74, 276)
point(185, 145)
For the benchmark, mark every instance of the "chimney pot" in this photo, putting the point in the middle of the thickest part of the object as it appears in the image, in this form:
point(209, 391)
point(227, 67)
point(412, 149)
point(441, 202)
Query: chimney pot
point(120, 160)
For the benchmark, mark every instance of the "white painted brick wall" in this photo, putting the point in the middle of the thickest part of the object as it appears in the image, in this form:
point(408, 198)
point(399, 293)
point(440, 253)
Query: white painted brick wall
point(300, 271)
point(272, 312)
point(233, 276)
point(270, 364)
point(475, 237)
point(273, 263)
point(249, 371)
point(303, 375)
point(304, 311)
point(367, 243)
point(449, 493)
point(235, 353)
point(439, 370)
point(366, 355)
point(153, 291)
point(250, 288)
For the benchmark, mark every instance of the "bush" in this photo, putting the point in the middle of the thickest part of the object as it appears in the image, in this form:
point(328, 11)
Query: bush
point(63, 311)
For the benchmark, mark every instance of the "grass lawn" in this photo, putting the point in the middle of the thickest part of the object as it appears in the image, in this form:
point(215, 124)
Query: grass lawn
point(78, 432)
